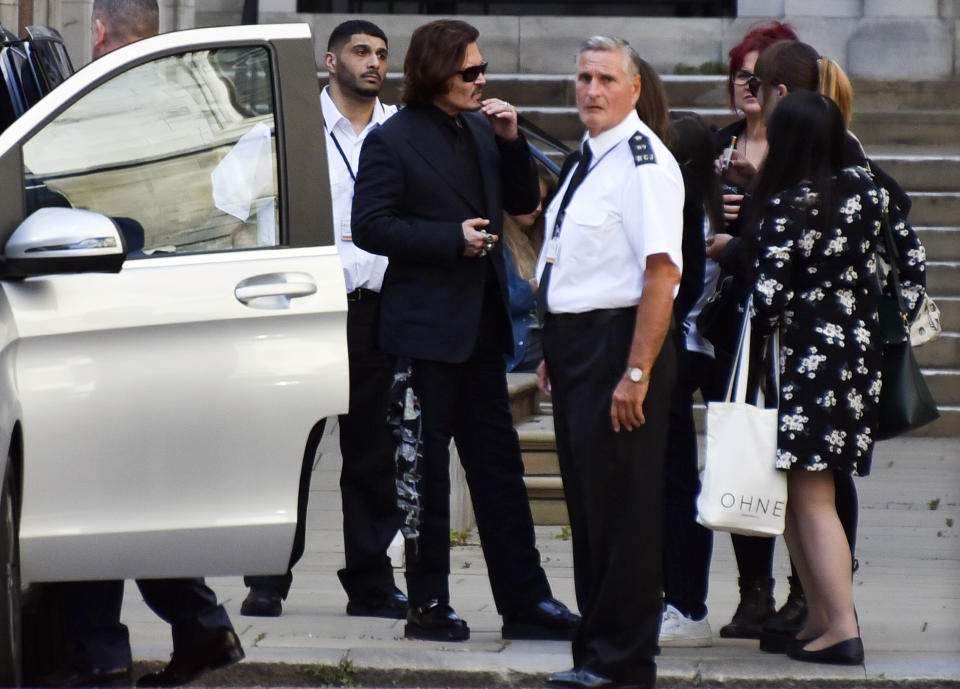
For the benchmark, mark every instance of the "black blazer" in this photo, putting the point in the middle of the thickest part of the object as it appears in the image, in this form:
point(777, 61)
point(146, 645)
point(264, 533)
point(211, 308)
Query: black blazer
point(409, 204)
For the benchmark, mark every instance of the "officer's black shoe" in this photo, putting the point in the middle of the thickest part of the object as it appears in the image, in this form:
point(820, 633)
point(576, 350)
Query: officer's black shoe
point(548, 619)
point(187, 664)
point(389, 604)
point(435, 621)
point(779, 632)
point(262, 602)
point(755, 607)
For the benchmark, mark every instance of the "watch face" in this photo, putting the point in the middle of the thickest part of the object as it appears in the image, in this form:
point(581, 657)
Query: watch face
point(636, 375)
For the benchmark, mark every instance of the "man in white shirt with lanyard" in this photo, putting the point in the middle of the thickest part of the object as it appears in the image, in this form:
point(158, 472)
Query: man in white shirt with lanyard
point(608, 275)
point(356, 59)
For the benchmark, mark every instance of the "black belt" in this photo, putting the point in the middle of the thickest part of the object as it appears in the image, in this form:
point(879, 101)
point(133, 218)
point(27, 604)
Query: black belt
point(362, 293)
point(586, 318)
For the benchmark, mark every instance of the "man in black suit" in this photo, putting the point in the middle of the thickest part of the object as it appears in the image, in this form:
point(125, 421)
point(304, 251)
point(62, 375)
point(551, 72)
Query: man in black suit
point(433, 183)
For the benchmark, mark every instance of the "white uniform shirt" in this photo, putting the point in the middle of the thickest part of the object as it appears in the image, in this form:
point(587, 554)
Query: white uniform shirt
point(360, 268)
point(624, 211)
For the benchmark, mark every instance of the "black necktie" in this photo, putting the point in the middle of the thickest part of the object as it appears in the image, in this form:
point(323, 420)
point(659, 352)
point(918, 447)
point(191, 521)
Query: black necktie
point(575, 180)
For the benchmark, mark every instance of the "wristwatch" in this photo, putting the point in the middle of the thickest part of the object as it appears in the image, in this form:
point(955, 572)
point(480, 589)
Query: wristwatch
point(637, 375)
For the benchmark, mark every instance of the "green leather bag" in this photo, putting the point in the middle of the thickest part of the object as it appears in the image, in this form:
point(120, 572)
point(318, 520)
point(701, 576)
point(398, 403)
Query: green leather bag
point(905, 399)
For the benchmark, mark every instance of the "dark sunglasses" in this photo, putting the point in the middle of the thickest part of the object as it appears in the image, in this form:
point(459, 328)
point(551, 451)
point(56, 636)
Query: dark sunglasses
point(470, 74)
point(753, 86)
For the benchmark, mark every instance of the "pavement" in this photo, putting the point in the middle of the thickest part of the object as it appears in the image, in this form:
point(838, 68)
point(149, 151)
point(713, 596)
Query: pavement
point(907, 592)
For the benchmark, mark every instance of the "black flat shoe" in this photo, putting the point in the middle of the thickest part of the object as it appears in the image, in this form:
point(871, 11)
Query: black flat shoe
point(848, 652)
point(779, 642)
point(189, 663)
point(389, 604)
point(262, 602)
point(548, 619)
point(435, 621)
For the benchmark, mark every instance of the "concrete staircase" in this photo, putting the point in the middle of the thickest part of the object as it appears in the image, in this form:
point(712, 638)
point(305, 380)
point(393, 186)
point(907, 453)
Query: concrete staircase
point(912, 130)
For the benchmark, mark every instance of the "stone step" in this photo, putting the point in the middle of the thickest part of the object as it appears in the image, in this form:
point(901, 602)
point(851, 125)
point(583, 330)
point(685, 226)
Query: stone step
point(942, 243)
point(917, 127)
point(524, 395)
point(935, 208)
point(944, 385)
point(949, 312)
point(922, 172)
point(871, 94)
point(944, 352)
point(541, 463)
point(943, 278)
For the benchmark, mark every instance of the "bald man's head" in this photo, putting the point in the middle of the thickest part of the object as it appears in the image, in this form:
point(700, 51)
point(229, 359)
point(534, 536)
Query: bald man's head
point(115, 23)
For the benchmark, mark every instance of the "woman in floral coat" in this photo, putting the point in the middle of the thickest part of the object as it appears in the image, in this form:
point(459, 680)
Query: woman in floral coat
point(816, 281)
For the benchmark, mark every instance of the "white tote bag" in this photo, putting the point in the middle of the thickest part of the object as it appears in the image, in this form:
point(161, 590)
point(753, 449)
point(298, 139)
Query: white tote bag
point(741, 490)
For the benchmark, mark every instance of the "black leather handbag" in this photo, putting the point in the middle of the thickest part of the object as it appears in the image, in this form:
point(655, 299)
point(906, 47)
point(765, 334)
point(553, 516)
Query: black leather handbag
point(905, 399)
point(721, 317)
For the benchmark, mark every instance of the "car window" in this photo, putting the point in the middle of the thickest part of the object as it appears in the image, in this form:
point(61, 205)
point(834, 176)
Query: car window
point(181, 151)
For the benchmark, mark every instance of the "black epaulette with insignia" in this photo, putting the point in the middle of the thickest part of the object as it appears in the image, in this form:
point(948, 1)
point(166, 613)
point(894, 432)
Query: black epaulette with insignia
point(641, 149)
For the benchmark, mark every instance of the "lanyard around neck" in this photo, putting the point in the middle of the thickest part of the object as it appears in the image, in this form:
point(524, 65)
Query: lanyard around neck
point(342, 155)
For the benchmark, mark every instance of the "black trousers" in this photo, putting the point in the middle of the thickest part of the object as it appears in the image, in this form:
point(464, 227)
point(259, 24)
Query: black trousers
point(96, 639)
point(469, 402)
point(687, 546)
point(613, 484)
point(368, 487)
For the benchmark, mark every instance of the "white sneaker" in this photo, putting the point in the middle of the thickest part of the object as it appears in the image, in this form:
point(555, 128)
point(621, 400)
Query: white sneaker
point(678, 631)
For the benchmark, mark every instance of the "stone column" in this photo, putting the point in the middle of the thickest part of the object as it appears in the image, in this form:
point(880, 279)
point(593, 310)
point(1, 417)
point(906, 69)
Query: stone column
point(898, 40)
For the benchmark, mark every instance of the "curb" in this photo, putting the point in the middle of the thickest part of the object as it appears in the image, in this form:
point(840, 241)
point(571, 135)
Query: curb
point(345, 674)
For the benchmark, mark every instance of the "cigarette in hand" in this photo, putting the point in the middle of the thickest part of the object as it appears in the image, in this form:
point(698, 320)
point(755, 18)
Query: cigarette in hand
point(728, 153)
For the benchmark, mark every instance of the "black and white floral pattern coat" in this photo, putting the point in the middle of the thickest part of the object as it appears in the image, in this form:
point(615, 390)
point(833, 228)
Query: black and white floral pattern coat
point(818, 284)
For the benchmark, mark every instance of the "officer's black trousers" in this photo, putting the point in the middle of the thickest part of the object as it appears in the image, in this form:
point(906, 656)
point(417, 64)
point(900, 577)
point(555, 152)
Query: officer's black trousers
point(613, 485)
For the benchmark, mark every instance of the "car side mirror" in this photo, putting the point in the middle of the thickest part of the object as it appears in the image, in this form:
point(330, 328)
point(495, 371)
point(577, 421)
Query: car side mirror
point(64, 240)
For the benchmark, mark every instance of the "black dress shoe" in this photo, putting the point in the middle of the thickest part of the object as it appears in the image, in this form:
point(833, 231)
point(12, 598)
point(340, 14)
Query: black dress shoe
point(848, 652)
point(187, 664)
point(262, 602)
point(87, 677)
point(581, 678)
point(389, 604)
point(548, 619)
point(435, 621)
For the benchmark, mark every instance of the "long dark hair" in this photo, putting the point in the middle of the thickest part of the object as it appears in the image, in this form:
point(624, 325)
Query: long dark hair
point(805, 136)
point(652, 105)
point(435, 54)
point(692, 145)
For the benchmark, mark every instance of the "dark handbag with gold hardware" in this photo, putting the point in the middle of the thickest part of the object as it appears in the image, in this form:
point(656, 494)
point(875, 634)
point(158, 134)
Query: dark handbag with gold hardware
point(905, 399)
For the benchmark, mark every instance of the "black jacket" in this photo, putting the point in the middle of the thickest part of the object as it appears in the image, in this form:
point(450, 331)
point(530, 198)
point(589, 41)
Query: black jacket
point(409, 203)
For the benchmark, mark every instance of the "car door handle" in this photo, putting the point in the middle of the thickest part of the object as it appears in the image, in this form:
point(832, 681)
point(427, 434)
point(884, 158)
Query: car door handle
point(274, 290)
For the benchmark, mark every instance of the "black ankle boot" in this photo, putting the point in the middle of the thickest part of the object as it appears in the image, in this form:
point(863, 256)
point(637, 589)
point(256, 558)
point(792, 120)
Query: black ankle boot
point(756, 605)
point(779, 632)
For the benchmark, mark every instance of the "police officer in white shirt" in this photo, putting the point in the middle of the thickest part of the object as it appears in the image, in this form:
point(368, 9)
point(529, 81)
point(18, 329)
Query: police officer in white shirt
point(608, 275)
point(356, 59)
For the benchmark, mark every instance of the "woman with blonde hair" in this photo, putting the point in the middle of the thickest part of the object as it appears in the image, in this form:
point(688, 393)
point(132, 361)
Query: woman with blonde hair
point(522, 239)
